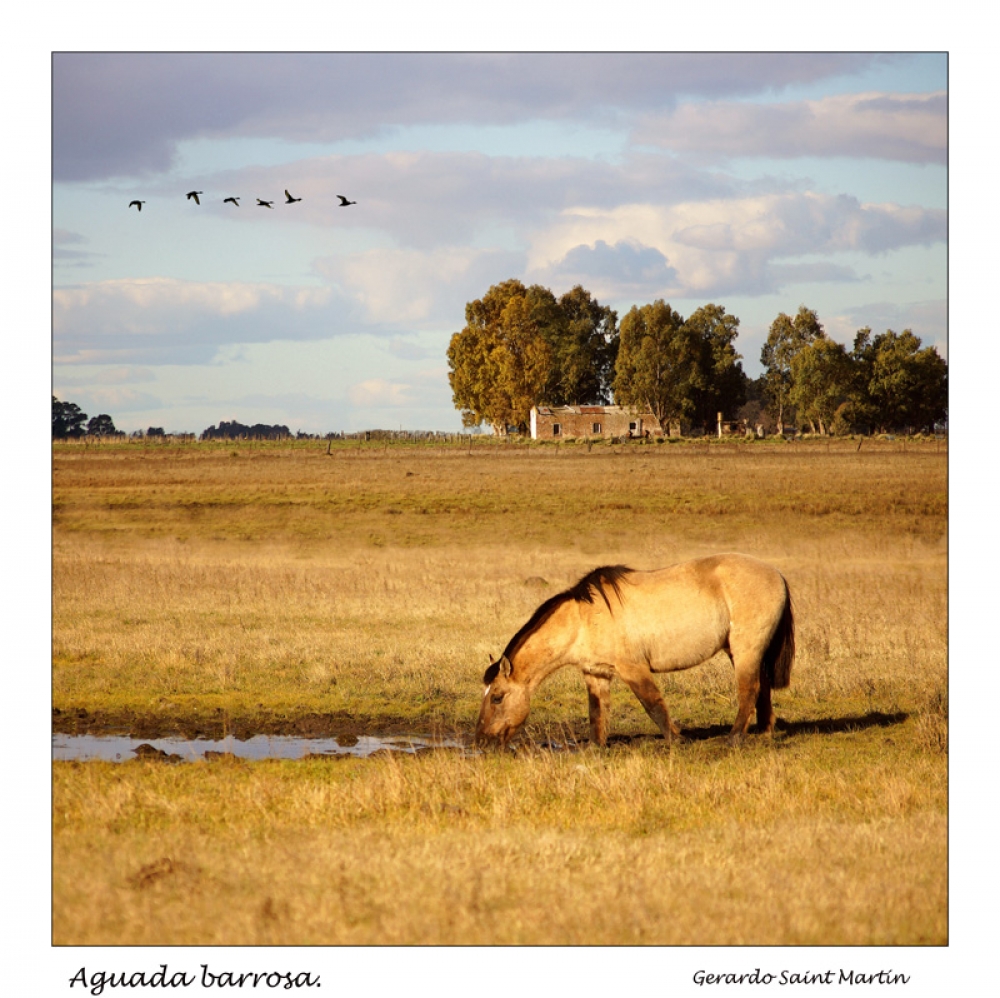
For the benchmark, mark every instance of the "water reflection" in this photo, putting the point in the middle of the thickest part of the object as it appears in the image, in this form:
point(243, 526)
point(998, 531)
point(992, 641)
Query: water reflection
point(121, 748)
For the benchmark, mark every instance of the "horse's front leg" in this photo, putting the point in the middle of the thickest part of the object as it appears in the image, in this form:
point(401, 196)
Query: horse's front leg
point(599, 703)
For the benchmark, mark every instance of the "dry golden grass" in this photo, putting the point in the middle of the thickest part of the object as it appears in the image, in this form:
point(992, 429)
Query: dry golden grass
point(376, 583)
point(379, 852)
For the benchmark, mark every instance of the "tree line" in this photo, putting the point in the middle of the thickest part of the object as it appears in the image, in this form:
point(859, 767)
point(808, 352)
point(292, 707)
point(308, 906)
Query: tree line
point(70, 422)
point(235, 430)
point(523, 347)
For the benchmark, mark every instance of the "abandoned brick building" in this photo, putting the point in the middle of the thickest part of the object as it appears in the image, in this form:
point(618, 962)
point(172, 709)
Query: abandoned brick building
point(554, 422)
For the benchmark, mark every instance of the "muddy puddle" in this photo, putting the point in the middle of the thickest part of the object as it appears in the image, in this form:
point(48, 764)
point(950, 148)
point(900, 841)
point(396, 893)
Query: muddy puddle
point(122, 748)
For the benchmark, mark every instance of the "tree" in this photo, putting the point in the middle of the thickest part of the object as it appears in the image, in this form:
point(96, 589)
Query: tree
point(725, 384)
point(67, 420)
point(786, 337)
point(524, 361)
point(659, 367)
point(823, 379)
point(235, 430)
point(521, 347)
point(904, 386)
point(583, 336)
point(500, 363)
point(101, 426)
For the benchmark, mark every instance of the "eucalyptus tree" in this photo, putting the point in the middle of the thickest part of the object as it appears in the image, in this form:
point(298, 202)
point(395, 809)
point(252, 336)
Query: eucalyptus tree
point(786, 338)
point(521, 347)
point(499, 362)
point(659, 366)
point(583, 335)
point(903, 385)
point(724, 381)
point(823, 380)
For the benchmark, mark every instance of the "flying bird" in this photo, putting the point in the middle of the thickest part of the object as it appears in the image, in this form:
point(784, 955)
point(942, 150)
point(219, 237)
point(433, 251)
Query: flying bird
point(344, 202)
point(235, 201)
point(265, 204)
point(291, 200)
point(138, 204)
point(194, 194)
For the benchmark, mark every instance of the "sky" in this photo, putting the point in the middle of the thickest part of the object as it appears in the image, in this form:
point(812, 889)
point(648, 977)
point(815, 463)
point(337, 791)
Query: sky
point(761, 181)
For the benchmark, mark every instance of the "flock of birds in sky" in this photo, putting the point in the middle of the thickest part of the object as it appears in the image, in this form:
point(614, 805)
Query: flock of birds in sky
point(261, 203)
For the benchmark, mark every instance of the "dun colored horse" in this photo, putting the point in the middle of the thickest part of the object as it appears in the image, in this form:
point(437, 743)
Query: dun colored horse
point(620, 622)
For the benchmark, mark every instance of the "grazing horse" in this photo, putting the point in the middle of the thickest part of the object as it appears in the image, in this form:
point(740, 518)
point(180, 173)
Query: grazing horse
point(620, 622)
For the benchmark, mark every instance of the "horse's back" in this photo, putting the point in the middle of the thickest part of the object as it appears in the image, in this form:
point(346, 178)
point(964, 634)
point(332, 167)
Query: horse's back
point(748, 587)
point(680, 616)
point(717, 575)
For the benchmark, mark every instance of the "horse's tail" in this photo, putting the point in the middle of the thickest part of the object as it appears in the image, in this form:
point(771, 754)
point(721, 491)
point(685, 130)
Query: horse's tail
point(781, 651)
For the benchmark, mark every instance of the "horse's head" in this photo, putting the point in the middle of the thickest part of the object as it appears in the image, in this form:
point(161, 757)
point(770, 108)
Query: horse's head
point(505, 704)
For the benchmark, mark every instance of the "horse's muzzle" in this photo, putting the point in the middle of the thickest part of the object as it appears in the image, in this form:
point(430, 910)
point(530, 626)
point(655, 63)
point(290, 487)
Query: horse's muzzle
point(497, 740)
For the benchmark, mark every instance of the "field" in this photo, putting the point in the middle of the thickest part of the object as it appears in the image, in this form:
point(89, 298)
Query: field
point(251, 587)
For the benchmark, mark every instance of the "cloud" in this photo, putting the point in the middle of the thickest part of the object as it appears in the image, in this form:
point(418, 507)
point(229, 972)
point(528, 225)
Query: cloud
point(163, 320)
point(908, 127)
point(625, 268)
point(123, 114)
point(64, 249)
point(729, 246)
point(424, 200)
point(408, 289)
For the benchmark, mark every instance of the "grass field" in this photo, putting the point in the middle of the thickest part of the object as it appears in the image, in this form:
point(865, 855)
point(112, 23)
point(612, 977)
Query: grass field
point(271, 586)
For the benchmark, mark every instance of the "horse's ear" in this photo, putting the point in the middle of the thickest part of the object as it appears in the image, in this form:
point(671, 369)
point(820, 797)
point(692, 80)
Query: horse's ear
point(505, 667)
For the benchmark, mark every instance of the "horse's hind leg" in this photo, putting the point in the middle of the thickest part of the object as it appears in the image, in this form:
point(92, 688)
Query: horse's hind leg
point(748, 696)
point(644, 687)
point(599, 702)
point(765, 712)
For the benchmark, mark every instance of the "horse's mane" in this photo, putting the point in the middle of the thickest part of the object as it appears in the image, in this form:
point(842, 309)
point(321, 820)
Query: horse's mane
point(593, 584)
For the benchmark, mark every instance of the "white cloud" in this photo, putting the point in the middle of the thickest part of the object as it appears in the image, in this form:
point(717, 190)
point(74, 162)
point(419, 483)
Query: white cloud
point(723, 246)
point(163, 320)
point(406, 288)
point(135, 298)
point(908, 127)
point(398, 286)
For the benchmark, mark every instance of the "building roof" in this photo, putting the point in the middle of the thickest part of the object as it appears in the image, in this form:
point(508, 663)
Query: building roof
point(582, 410)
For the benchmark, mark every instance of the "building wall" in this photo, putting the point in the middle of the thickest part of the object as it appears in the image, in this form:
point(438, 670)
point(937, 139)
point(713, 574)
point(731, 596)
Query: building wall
point(572, 422)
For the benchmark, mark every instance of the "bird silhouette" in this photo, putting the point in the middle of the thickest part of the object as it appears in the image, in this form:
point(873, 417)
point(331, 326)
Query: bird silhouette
point(344, 202)
point(290, 199)
point(235, 201)
point(194, 194)
point(265, 204)
point(138, 204)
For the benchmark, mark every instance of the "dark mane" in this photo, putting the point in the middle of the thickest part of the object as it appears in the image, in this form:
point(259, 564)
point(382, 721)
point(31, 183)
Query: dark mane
point(593, 584)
